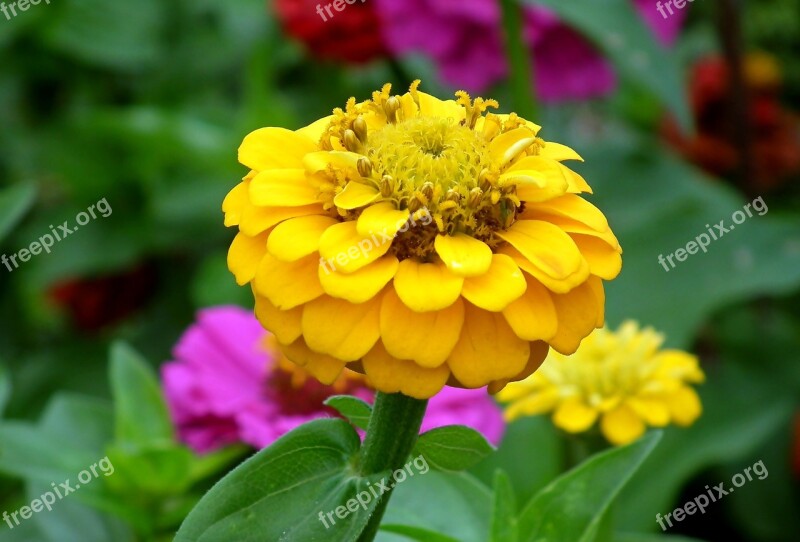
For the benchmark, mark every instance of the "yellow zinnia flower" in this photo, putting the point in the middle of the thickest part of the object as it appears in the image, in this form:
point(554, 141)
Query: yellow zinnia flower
point(621, 377)
point(420, 242)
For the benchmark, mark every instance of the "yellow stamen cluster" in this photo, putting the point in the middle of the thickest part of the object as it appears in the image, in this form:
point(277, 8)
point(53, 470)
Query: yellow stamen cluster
point(433, 165)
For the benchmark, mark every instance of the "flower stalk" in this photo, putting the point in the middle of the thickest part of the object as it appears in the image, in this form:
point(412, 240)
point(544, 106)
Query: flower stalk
point(391, 435)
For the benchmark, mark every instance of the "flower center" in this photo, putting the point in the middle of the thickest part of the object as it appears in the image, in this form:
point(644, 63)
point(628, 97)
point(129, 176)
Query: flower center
point(427, 150)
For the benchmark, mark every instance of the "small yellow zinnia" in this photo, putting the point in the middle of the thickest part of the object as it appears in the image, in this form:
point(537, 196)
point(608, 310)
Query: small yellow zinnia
point(620, 377)
point(420, 242)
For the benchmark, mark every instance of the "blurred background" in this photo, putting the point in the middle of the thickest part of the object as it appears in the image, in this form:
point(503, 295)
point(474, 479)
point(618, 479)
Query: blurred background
point(683, 115)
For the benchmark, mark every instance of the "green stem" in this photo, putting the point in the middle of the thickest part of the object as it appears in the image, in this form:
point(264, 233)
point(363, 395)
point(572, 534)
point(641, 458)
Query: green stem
point(519, 60)
point(391, 434)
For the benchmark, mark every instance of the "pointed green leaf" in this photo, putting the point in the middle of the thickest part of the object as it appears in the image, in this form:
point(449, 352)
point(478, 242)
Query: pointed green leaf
point(286, 490)
point(504, 518)
point(453, 447)
point(140, 409)
point(571, 508)
point(14, 203)
point(352, 408)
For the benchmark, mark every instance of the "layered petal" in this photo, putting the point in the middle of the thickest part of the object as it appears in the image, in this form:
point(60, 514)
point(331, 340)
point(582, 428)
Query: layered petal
point(463, 254)
point(392, 375)
point(427, 338)
point(502, 284)
point(487, 350)
point(426, 287)
point(344, 330)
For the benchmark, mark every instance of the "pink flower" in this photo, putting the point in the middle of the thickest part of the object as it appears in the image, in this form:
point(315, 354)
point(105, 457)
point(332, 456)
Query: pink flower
point(225, 386)
point(464, 39)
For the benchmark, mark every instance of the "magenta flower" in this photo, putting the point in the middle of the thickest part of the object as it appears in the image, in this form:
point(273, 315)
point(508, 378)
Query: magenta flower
point(225, 386)
point(465, 42)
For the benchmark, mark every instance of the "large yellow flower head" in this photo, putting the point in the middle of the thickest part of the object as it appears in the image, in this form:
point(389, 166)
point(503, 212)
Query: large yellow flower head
point(620, 377)
point(419, 241)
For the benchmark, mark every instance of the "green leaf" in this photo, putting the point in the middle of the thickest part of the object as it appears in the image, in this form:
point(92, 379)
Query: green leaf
point(354, 409)
point(140, 409)
point(154, 469)
point(639, 537)
point(572, 507)
point(504, 517)
point(118, 35)
point(616, 28)
point(453, 447)
point(281, 492)
point(514, 457)
point(430, 502)
point(5, 389)
point(15, 201)
point(417, 533)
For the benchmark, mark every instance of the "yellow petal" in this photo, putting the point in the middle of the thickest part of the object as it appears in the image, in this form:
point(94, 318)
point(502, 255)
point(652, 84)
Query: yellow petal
point(391, 375)
point(315, 130)
point(355, 195)
point(324, 368)
point(487, 350)
point(577, 318)
point(361, 285)
point(431, 106)
point(537, 179)
point(234, 203)
point(684, 406)
point(507, 146)
point(380, 218)
point(256, 220)
point(285, 325)
point(573, 226)
point(621, 425)
point(463, 254)
point(539, 350)
point(427, 338)
point(557, 151)
point(600, 298)
point(533, 405)
point(244, 255)
point(502, 283)
point(288, 284)
point(574, 416)
point(604, 261)
point(573, 207)
point(341, 329)
point(533, 316)
point(274, 148)
point(319, 161)
point(577, 184)
point(556, 285)
point(654, 411)
point(344, 250)
point(298, 237)
point(282, 188)
point(426, 287)
point(546, 246)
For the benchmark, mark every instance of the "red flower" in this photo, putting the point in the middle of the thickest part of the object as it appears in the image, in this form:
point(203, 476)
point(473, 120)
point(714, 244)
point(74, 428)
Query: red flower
point(351, 35)
point(774, 131)
point(97, 302)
